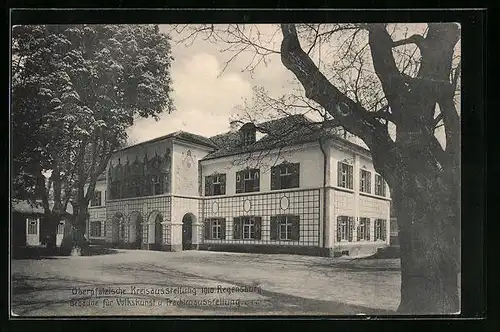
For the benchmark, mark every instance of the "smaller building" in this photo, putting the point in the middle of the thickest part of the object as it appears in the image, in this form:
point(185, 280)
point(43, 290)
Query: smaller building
point(27, 225)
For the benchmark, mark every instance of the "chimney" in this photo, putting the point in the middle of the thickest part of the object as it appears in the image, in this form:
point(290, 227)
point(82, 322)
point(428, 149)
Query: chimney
point(234, 125)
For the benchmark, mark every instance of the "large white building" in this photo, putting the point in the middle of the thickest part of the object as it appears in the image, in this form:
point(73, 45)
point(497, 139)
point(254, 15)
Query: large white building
point(283, 186)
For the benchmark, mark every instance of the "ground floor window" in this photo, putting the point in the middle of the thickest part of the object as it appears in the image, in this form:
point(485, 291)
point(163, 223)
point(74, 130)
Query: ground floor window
point(32, 226)
point(215, 229)
point(380, 229)
point(285, 228)
point(60, 228)
point(95, 228)
point(247, 228)
point(364, 229)
point(345, 227)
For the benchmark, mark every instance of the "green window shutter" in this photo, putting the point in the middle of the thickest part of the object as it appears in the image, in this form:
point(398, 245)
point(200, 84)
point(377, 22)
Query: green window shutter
point(239, 182)
point(349, 176)
point(208, 184)
point(275, 174)
point(256, 179)
point(295, 227)
point(274, 228)
point(369, 184)
point(350, 224)
point(258, 228)
point(339, 229)
point(295, 175)
point(237, 228)
point(339, 174)
point(222, 179)
point(222, 228)
point(368, 229)
point(207, 229)
point(384, 230)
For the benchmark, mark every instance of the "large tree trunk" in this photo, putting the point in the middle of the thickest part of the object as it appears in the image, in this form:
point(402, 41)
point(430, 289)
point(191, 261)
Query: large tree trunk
point(429, 235)
point(49, 230)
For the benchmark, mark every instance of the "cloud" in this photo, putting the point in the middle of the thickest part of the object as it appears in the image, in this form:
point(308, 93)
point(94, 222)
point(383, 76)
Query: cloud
point(203, 100)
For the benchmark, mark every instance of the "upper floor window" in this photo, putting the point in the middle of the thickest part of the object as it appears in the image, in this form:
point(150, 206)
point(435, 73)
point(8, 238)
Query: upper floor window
point(32, 226)
point(215, 185)
point(285, 227)
point(365, 181)
point(344, 178)
point(247, 228)
point(380, 229)
point(379, 185)
point(248, 181)
point(364, 229)
point(345, 227)
point(285, 176)
point(157, 181)
point(97, 199)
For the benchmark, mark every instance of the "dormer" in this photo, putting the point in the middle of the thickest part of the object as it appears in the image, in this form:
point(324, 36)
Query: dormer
point(247, 133)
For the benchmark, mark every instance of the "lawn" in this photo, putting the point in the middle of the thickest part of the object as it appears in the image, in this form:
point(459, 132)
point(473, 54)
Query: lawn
point(203, 283)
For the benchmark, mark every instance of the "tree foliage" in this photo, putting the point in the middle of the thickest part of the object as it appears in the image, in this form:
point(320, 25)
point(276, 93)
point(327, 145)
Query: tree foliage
point(75, 91)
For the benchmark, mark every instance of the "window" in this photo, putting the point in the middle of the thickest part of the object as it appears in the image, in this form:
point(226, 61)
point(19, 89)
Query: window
point(380, 230)
point(365, 183)
point(32, 226)
point(345, 226)
point(248, 137)
point(248, 181)
point(379, 185)
point(60, 228)
point(285, 228)
point(215, 185)
point(344, 175)
point(285, 176)
point(95, 228)
point(364, 229)
point(215, 229)
point(97, 199)
point(157, 184)
point(247, 228)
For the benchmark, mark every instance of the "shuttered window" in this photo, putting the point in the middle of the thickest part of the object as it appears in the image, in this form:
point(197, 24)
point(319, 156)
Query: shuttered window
point(32, 226)
point(363, 230)
point(248, 181)
point(247, 228)
point(285, 176)
point(215, 185)
point(285, 228)
point(345, 228)
point(345, 176)
point(380, 230)
point(365, 183)
point(215, 229)
point(96, 199)
point(95, 228)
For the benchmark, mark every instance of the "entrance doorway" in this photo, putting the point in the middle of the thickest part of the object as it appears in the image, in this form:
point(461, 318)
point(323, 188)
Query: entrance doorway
point(187, 231)
point(117, 229)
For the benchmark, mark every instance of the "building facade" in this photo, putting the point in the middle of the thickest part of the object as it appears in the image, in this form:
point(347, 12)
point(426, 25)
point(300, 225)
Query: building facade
point(271, 188)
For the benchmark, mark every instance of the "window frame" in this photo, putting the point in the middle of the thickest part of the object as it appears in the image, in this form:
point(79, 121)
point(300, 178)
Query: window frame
point(97, 193)
point(379, 185)
point(93, 228)
point(364, 223)
point(284, 221)
point(378, 230)
point(346, 181)
point(248, 222)
point(365, 181)
point(215, 224)
point(32, 222)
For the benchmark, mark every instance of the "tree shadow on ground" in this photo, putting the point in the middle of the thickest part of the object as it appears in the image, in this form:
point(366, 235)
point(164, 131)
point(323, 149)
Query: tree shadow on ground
point(38, 253)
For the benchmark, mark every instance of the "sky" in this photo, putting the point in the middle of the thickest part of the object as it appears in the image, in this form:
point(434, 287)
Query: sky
point(204, 101)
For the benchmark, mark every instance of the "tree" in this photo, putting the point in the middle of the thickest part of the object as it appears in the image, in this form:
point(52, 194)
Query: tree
point(75, 91)
point(397, 93)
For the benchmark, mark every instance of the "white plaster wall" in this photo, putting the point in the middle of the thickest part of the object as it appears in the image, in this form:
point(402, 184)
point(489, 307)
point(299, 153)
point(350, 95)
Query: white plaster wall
point(185, 168)
point(310, 158)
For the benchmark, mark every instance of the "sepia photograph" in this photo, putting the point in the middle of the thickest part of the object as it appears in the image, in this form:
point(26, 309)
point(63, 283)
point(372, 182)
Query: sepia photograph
point(242, 169)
